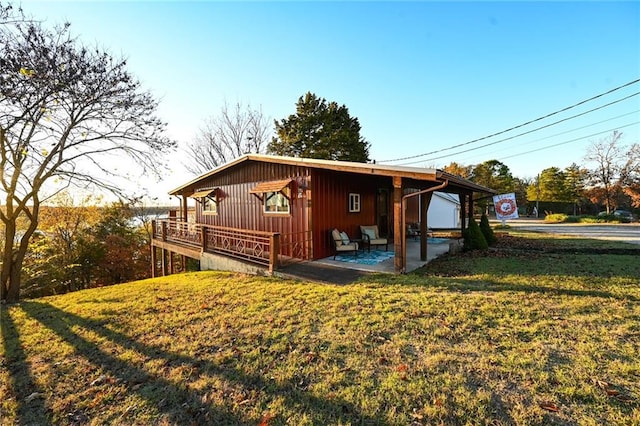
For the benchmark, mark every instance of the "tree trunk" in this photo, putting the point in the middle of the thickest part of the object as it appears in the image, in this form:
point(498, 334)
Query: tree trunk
point(13, 257)
point(9, 287)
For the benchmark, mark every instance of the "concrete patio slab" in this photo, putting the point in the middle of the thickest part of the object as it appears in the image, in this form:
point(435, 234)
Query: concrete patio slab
point(338, 272)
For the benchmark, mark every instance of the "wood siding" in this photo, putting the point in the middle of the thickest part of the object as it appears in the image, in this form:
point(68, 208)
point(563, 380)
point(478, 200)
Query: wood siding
point(330, 196)
point(238, 208)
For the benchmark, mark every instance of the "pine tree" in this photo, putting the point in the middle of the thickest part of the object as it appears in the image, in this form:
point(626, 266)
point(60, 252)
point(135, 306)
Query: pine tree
point(320, 129)
point(473, 238)
point(489, 236)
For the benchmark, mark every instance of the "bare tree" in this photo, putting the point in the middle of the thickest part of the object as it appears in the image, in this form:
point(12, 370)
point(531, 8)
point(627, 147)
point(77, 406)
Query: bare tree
point(66, 112)
point(631, 175)
point(9, 15)
point(608, 156)
point(236, 131)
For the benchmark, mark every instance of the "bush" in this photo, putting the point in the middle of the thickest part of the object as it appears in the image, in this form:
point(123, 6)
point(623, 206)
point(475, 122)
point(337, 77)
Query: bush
point(473, 237)
point(486, 230)
point(591, 219)
point(555, 218)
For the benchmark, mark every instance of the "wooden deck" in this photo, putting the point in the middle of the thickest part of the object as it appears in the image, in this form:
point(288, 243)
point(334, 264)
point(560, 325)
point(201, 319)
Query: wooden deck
point(267, 249)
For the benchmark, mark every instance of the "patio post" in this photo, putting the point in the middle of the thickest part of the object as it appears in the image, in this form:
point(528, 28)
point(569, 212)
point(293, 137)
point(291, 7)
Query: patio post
point(425, 200)
point(398, 219)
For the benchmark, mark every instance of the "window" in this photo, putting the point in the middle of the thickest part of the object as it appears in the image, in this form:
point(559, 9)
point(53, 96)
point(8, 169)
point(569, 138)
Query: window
point(275, 196)
point(276, 202)
point(354, 203)
point(210, 204)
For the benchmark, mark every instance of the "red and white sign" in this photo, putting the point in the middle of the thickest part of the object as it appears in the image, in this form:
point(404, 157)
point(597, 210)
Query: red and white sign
point(505, 205)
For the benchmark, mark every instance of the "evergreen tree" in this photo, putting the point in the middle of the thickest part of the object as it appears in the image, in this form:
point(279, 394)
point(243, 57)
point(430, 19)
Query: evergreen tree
point(320, 129)
point(487, 232)
point(473, 238)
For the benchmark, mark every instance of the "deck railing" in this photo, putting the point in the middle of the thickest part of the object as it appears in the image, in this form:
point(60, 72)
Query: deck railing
point(269, 249)
point(295, 246)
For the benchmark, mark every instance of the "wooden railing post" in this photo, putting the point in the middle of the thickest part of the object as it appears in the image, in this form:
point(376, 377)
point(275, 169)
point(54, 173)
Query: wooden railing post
point(274, 244)
point(204, 238)
point(164, 231)
point(154, 260)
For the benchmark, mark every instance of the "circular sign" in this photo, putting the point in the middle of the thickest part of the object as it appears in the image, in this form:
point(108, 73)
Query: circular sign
point(506, 207)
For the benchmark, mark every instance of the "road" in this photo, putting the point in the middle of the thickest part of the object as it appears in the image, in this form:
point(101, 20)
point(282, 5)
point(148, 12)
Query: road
point(626, 232)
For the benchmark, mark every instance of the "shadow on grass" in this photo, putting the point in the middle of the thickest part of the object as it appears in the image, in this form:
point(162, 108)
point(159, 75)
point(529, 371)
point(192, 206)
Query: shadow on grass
point(472, 285)
point(189, 407)
point(31, 410)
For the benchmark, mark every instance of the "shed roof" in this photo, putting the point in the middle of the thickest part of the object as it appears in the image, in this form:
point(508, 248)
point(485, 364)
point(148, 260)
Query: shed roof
point(417, 173)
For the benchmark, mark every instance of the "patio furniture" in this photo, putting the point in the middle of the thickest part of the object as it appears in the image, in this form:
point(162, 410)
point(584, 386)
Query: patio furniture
point(342, 243)
point(371, 236)
point(413, 230)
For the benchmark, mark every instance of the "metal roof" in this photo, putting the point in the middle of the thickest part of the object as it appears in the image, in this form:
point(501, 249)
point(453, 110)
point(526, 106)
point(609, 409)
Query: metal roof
point(417, 173)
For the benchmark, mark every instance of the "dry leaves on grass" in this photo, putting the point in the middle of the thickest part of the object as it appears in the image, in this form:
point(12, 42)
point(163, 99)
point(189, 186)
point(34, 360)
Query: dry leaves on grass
point(613, 391)
point(549, 406)
point(266, 418)
point(403, 369)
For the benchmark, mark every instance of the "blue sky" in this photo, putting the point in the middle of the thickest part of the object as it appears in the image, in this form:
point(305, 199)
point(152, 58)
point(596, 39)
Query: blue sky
point(420, 76)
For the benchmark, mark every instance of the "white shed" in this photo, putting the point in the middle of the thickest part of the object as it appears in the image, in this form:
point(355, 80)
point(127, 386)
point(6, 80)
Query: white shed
point(444, 211)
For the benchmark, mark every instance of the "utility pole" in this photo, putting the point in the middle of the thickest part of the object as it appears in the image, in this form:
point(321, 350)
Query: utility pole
point(537, 195)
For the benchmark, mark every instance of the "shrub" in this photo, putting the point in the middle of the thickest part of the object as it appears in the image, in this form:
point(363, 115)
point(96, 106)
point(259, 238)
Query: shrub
point(591, 219)
point(473, 237)
point(555, 218)
point(486, 230)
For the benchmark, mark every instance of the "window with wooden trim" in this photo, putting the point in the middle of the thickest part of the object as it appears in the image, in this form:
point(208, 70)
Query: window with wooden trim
point(354, 203)
point(210, 204)
point(276, 202)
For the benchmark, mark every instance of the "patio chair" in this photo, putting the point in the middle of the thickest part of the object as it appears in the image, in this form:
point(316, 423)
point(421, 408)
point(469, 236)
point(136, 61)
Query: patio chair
point(342, 243)
point(413, 230)
point(371, 236)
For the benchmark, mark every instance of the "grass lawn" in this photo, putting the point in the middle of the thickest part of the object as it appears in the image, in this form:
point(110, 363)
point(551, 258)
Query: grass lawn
point(540, 331)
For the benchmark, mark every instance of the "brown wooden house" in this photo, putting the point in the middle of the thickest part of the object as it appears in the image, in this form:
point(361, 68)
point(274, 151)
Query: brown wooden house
point(268, 210)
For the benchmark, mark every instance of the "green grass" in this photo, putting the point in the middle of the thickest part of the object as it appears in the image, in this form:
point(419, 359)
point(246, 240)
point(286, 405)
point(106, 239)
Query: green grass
point(500, 338)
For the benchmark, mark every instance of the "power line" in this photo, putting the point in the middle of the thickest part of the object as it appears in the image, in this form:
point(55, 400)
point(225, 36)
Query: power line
point(561, 133)
point(529, 131)
point(572, 140)
point(514, 127)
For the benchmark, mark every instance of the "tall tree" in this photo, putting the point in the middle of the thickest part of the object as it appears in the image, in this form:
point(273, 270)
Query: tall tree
point(66, 110)
point(232, 133)
point(493, 174)
point(320, 129)
point(630, 175)
point(550, 185)
point(458, 169)
point(608, 156)
point(575, 178)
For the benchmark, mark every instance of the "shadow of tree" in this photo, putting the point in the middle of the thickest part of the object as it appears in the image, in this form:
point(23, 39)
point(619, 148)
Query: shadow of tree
point(192, 408)
point(29, 397)
point(323, 411)
point(473, 285)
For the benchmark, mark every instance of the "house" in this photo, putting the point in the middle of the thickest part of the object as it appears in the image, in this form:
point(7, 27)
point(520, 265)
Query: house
point(443, 213)
point(267, 210)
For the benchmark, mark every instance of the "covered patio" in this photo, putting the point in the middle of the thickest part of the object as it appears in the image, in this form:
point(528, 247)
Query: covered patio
point(338, 271)
point(383, 262)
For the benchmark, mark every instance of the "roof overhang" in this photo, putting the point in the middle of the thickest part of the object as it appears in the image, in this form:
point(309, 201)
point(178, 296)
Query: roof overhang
point(416, 173)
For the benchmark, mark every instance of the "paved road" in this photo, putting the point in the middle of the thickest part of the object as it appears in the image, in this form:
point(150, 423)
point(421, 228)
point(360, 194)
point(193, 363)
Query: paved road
point(627, 232)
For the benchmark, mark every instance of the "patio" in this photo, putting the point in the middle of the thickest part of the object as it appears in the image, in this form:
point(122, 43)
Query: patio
point(344, 272)
point(381, 261)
